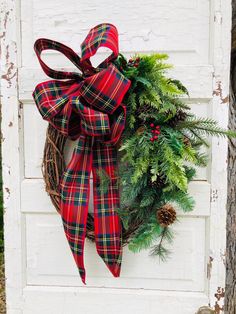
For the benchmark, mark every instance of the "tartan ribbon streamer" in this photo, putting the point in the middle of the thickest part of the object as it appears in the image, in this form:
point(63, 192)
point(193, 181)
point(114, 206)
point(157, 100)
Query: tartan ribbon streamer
point(88, 107)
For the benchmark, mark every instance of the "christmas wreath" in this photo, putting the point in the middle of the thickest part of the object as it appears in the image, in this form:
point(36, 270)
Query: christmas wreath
point(158, 150)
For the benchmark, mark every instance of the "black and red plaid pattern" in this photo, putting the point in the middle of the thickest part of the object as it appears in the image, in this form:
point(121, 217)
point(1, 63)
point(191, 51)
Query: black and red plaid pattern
point(88, 107)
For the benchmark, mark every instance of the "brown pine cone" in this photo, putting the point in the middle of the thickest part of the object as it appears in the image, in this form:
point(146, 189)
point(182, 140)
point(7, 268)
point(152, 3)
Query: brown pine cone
point(186, 141)
point(179, 117)
point(166, 215)
point(144, 109)
point(140, 130)
point(158, 184)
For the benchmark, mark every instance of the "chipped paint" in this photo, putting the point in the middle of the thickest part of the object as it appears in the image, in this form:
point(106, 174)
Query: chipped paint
point(8, 191)
point(218, 17)
point(219, 303)
point(219, 93)
point(209, 267)
point(214, 195)
point(10, 74)
point(5, 19)
point(223, 257)
point(3, 35)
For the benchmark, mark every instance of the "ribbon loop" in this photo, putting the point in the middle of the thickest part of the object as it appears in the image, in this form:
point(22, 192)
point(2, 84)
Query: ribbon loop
point(102, 35)
point(90, 109)
point(42, 44)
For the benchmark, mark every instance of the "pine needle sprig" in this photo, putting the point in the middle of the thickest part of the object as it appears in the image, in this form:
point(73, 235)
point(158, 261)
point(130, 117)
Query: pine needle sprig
point(145, 236)
point(206, 126)
point(166, 236)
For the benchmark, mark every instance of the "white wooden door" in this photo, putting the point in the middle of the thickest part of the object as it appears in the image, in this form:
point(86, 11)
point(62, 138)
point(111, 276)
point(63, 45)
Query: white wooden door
point(41, 276)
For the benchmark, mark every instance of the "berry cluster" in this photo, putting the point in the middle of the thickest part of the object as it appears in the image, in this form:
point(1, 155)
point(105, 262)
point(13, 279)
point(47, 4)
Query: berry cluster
point(155, 131)
point(134, 62)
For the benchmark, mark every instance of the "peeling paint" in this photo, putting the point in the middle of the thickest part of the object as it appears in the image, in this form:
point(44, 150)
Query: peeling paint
point(219, 93)
point(209, 267)
point(8, 191)
point(223, 257)
point(5, 19)
point(218, 17)
point(1, 38)
point(20, 104)
point(9, 75)
point(3, 35)
point(219, 304)
point(214, 195)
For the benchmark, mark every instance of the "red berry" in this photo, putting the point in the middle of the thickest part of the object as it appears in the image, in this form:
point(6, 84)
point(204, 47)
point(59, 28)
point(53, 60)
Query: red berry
point(153, 131)
point(158, 127)
point(155, 137)
point(157, 132)
point(138, 59)
point(151, 139)
point(130, 60)
point(152, 125)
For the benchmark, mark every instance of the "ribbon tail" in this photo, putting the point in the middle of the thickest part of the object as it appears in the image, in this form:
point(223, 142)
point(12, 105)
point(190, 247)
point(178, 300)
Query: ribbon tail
point(74, 192)
point(107, 223)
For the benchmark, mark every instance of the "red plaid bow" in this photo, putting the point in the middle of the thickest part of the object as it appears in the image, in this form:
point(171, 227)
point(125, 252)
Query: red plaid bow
point(88, 107)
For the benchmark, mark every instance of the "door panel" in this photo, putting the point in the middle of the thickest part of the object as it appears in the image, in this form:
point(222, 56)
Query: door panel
point(45, 279)
point(50, 262)
point(180, 29)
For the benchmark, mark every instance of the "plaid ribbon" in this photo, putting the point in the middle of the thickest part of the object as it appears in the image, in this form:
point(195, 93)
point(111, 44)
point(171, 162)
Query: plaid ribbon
point(88, 107)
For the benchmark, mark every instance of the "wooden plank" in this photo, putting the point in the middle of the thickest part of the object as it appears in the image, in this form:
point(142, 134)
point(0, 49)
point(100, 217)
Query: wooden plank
point(220, 58)
point(197, 78)
point(61, 300)
point(180, 28)
point(11, 150)
point(39, 201)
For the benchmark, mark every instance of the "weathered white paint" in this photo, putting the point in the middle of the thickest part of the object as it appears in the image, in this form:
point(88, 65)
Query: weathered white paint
point(220, 58)
point(41, 274)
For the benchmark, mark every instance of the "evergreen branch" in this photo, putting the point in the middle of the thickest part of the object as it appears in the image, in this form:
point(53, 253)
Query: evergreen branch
point(185, 201)
point(205, 126)
point(159, 249)
point(144, 237)
point(199, 138)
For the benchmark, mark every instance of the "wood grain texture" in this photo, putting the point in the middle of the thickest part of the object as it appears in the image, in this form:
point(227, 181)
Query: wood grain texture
point(230, 289)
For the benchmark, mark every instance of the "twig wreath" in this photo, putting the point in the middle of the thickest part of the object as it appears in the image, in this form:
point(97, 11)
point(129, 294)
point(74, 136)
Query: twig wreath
point(161, 137)
point(135, 134)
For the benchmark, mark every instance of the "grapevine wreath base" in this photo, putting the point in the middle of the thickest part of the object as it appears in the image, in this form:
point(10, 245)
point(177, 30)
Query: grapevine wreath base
point(160, 148)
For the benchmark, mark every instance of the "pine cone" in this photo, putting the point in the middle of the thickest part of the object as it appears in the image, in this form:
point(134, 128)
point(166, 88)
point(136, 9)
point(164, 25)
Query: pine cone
point(166, 215)
point(186, 141)
point(140, 130)
point(158, 184)
point(179, 116)
point(144, 109)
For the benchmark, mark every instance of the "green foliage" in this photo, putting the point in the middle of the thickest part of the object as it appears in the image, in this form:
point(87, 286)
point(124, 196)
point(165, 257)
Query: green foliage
point(171, 159)
point(145, 236)
point(159, 249)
